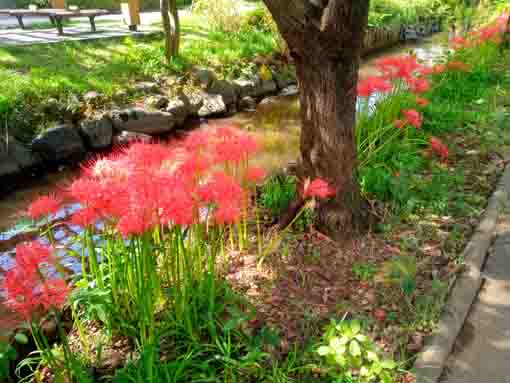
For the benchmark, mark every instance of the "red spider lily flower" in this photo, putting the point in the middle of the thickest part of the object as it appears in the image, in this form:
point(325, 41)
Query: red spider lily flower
point(31, 255)
point(192, 167)
point(439, 68)
point(226, 195)
point(422, 101)
point(255, 174)
point(413, 117)
point(502, 21)
point(425, 70)
point(106, 197)
point(109, 168)
point(440, 149)
point(380, 315)
point(177, 207)
point(197, 141)
point(54, 293)
point(399, 124)
point(147, 155)
point(318, 188)
point(44, 206)
point(232, 145)
point(459, 42)
point(227, 214)
point(136, 221)
point(19, 288)
point(84, 217)
point(373, 84)
point(490, 33)
point(398, 66)
point(418, 85)
point(459, 65)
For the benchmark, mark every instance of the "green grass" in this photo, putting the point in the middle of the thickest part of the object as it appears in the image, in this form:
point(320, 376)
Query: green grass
point(30, 75)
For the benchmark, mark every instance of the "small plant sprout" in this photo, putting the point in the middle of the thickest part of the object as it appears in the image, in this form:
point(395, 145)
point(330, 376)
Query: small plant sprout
point(350, 354)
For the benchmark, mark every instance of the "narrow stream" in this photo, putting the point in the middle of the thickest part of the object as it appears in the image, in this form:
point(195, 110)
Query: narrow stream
point(275, 123)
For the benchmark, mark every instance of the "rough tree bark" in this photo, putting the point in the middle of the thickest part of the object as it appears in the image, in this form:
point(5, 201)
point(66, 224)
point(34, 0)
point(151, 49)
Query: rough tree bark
point(325, 39)
point(171, 26)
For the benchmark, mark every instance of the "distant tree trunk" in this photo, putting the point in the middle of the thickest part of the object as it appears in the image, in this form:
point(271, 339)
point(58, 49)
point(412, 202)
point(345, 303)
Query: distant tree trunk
point(175, 27)
point(325, 39)
point(171, 26)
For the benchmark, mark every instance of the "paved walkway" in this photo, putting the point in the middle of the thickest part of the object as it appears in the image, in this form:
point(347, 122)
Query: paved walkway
point(19, 37)
point(109, 26)
point(482, 350)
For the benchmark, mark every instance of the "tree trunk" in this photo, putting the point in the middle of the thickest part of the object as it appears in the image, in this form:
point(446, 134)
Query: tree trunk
point(325, 39)
point(328, 148)
point(175, 28)
point(171, 26)
point(506, 35)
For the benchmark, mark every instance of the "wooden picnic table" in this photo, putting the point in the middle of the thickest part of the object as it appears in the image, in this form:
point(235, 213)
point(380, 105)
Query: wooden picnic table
point(56, 16)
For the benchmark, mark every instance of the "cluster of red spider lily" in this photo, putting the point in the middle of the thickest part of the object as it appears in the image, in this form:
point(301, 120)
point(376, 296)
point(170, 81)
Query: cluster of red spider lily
point(489, 33)
point(150, 184)
point(405, 73)
point(203, 178)
point(399, 73)
point(28, 288)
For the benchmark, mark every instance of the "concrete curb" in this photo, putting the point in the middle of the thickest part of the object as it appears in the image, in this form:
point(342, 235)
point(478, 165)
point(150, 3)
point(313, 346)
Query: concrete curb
point(431, 361)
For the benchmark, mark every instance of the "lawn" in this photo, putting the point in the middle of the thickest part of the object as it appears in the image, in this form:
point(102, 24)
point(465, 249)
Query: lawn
point(29, 76)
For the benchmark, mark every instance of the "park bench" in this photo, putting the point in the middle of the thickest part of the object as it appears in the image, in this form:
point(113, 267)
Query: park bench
point(56, 16)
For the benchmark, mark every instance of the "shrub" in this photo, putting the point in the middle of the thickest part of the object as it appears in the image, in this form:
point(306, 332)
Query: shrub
point(222, 15)
point(277, 193)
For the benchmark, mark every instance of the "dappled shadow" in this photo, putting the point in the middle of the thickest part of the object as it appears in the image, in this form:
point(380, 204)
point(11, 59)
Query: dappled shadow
point(482, 348)
point(71, 33)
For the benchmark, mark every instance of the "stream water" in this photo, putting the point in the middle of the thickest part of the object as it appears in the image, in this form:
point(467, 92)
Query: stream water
point(275, 123)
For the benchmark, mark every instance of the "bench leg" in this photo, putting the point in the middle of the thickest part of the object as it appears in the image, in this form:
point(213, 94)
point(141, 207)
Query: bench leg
point(60, 28)
point(92, 23)
point(52, 20)
point(20, 21)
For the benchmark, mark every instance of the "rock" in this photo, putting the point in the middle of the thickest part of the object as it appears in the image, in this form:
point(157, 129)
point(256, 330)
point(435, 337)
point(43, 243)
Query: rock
point(97, 134)
point(247, 87)
point(203, 77)
point(92, 98)
point(52, 107)
point(213, 105)
point(180, 108)
point(291, 90)
point(267, 88)
point(139, 120)
point(156, 102)
point(410, 34)
point(120, 95)
point(60, 144)
point(284, 80)
point(146, 87)
point(248, 103)
point(225, 89)
point(14, 157)
point(255, 87)
point(125, 138)
point(194, 101)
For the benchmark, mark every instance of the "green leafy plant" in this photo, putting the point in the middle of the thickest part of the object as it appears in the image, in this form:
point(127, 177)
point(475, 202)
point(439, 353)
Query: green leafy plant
point(277, 193)
point(401, 272)
point(348, 354)
point(364, 271)
point(7, 355)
